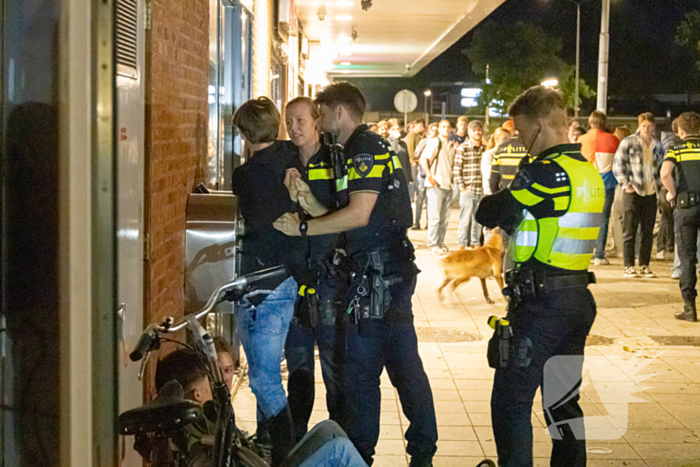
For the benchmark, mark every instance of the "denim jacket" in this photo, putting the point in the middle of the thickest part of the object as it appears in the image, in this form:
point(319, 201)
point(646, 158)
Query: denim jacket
point(628, 165)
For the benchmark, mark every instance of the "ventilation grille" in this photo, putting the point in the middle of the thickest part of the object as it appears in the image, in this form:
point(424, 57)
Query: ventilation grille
point(127, 30)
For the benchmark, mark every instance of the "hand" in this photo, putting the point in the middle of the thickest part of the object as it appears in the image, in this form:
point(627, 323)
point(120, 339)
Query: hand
point(629, 189)
point(288, 224)
point(308, 201)
point(290, 179)
point(432, 180)
point(670, 197)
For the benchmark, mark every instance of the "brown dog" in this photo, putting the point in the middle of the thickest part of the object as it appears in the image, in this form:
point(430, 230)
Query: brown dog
point(482, 262)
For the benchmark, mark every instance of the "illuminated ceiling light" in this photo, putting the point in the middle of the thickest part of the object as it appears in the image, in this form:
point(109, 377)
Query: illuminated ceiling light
point(343, 18)
point(345, 72)
point(345, 63)
point(344, 3)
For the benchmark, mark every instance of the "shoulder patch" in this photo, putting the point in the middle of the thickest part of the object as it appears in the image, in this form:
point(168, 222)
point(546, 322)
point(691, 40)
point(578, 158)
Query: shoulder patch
point(363, 164)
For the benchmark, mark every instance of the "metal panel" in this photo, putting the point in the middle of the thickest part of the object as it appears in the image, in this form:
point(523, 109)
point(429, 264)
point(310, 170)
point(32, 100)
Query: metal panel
point(130, 210)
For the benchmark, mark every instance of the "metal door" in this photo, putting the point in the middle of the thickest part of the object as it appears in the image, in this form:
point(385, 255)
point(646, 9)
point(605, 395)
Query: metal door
point(130, 201)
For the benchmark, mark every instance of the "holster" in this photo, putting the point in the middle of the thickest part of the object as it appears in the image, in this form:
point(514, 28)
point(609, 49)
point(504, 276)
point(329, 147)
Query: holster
point(307, 309)
point(505, 349)
point(526, 283)
point(687, 199)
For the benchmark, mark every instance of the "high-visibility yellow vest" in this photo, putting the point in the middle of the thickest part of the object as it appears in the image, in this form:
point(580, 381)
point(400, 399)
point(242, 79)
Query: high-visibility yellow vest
point(564, 241)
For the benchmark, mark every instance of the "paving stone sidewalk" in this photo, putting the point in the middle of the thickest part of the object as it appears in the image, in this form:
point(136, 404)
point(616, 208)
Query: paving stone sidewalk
point(641, 389)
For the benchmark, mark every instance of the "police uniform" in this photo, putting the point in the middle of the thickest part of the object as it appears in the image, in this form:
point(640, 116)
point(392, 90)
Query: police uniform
point(686, 217)
point(553, 210)
point(319, 317)
point(380, 332)
point(505, 163)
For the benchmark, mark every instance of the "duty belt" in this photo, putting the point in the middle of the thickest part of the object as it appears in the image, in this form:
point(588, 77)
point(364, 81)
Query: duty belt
point(524, 283)
point(687, 199)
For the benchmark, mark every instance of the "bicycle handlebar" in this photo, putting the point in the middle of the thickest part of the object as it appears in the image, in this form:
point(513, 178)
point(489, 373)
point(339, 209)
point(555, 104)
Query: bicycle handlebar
point(224, 292)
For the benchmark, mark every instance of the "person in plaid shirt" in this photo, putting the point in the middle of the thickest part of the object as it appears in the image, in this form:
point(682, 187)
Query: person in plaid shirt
point(636, 167)
point(467, 178)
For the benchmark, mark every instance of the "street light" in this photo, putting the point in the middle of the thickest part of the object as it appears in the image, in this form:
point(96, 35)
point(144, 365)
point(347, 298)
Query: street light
point(550, 83)
point(426, 94)
point(578, 52)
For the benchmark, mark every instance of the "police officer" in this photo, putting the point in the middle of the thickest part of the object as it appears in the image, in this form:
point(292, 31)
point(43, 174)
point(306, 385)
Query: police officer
point(319, 316)
point(552, 209)
point(506, 162)
point(684, 192)
point(380, 332)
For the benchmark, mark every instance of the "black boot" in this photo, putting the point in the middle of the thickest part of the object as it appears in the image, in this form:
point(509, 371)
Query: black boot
point(282, 435)
point(689, 312)
point(422, 460)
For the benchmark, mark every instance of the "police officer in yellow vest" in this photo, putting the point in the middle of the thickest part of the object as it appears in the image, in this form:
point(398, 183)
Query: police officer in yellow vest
point(683, 159)
point(552, 210)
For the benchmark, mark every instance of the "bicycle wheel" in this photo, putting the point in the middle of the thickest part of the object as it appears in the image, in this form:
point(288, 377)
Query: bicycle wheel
point(244, 457)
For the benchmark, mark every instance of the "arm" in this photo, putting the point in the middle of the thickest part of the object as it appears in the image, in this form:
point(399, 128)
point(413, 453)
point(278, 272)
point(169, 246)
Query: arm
point(427, 158)
point(667, 178)
point(457, 168)
point(621, 165)
point(355, 215)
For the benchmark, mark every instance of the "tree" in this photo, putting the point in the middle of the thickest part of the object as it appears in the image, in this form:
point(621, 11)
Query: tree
point(688, 33)
point(519, 55)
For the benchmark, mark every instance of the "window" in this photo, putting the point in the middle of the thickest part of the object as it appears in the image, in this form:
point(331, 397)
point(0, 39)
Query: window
point(230, 72)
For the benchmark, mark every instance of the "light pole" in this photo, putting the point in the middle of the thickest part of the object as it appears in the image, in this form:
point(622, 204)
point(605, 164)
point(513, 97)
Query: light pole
point(603, 57)
point(578, 53)
point(426, 94)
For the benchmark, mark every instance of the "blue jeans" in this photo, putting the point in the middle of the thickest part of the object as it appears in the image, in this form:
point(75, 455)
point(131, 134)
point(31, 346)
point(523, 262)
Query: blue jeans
point(391, 344)
point(262, 330)
point(604, 223)
point(556, 324)
point(420, 198)
point(438, 215)
point(469, 231)
point(299, 351)
point(338, 452)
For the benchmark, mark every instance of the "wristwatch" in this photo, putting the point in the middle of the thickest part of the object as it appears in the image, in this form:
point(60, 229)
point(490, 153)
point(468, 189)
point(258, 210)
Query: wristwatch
point(303, 228)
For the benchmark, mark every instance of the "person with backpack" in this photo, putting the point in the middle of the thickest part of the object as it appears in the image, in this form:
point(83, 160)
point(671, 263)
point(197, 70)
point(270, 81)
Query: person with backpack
point(420, 190)
point(437, 160)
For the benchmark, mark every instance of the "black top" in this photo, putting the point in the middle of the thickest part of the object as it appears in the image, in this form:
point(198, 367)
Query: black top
point(686, 155)
point(262, 198)
point(318, 174)
point(371, 169)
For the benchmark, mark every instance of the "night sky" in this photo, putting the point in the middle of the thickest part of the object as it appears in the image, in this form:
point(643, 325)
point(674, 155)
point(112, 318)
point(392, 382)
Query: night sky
point(644, 58)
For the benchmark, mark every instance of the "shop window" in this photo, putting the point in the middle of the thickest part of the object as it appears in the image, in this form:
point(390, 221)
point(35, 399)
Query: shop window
point(230, 85)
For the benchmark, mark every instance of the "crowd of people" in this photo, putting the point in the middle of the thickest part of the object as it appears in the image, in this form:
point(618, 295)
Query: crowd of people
point(335, 212)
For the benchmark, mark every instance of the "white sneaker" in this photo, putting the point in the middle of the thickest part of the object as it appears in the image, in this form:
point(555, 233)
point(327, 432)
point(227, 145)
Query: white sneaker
point(660, 255)
point(601, 262)
point(435, 250)
point(630, 272)
point(675, 274)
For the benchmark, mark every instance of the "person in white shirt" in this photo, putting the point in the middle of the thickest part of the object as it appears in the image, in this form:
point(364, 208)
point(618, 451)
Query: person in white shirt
point(437, 160)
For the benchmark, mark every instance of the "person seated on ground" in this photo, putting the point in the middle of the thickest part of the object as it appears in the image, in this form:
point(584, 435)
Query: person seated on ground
point(226, 358)
point(186, 367)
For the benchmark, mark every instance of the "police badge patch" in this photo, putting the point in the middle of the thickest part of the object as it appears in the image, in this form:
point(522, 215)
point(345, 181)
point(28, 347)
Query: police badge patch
point(363, 164)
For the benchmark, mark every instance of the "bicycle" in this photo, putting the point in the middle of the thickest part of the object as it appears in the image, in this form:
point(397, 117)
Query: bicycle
point(168, 417)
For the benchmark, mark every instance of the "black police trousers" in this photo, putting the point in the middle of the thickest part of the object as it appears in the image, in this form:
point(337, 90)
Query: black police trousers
point(557, 325)
point(686, 223)
point(391, 343)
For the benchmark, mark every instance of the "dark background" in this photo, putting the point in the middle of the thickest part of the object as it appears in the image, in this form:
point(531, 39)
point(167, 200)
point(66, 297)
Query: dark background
point(644, 58)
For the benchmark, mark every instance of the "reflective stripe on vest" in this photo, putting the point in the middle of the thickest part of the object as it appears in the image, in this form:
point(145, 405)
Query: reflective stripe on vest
point(568, 241)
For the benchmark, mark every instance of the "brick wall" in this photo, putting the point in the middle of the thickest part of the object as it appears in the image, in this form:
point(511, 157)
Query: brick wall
point(177, 54)
point(262, 27)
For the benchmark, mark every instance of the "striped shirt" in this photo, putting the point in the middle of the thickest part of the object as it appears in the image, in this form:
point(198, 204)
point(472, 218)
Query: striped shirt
point(505, 163)
point(467, 167)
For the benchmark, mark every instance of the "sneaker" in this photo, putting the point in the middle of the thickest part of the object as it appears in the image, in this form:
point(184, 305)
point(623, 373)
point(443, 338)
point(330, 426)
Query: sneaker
point(601, 262)
point(435, 250)
point(660, 256)
point(630, 272)
point(675, 274)
point(444, 249)
point(646, 272)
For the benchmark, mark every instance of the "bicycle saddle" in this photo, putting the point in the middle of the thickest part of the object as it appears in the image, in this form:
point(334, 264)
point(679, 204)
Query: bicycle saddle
point(168, 412)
